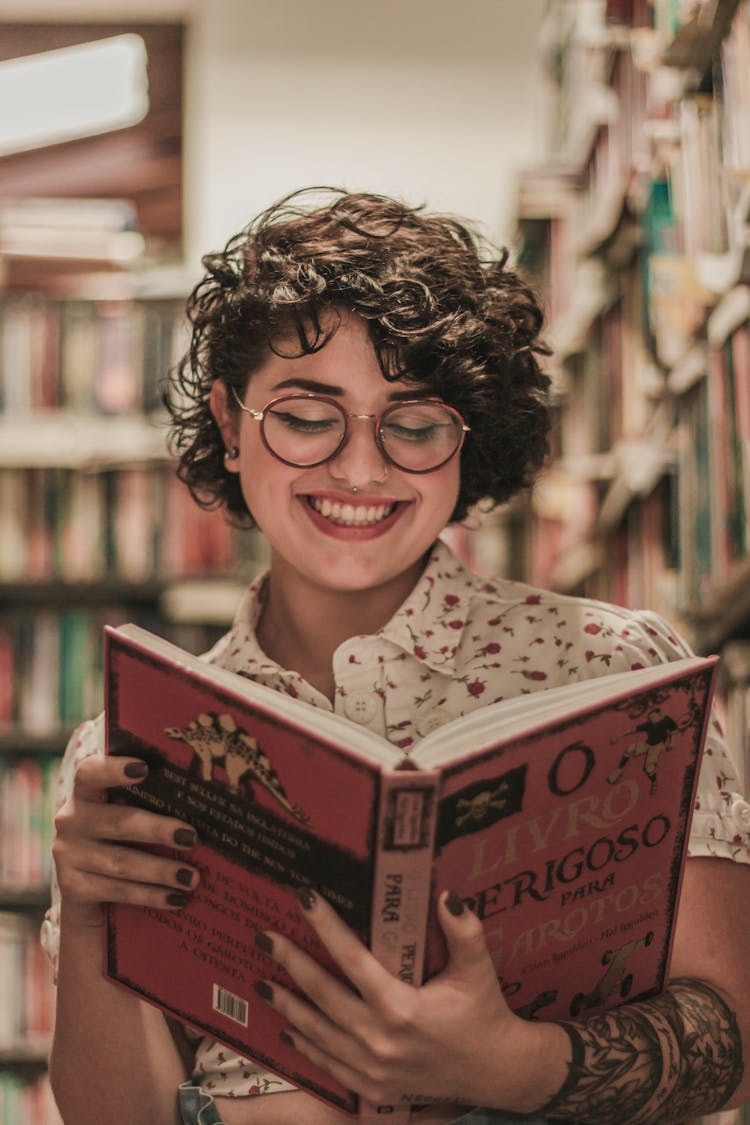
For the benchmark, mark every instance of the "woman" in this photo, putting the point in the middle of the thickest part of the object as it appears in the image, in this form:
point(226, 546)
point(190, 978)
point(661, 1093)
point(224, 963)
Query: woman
point(360, 374)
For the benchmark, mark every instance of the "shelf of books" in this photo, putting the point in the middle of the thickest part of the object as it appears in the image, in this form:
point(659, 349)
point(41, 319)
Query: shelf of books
point(636, 231)
point(95, 529)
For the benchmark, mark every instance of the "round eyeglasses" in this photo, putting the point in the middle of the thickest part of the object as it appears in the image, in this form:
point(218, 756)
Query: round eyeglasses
point(304, 430)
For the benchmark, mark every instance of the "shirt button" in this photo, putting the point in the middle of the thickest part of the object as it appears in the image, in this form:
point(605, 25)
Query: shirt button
point(431, 721)
point(360, 707)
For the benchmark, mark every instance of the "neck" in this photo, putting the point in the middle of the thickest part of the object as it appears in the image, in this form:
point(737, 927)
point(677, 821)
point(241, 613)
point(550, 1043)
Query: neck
point(303, 624)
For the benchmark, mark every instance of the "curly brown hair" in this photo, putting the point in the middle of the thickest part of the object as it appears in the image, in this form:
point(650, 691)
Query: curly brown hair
point(441, 308)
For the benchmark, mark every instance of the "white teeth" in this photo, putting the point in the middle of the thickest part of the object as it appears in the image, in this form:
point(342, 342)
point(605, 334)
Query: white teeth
point(351, 515)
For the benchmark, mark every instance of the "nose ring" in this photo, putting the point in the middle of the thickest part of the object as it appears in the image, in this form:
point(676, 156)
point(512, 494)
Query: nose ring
point(354, 488)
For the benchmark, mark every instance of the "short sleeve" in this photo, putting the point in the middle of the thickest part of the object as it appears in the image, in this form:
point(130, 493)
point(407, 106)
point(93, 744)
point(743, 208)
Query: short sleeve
point(86, 741)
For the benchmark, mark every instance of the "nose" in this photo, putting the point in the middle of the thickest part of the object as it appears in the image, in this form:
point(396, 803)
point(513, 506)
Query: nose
point(359, 462)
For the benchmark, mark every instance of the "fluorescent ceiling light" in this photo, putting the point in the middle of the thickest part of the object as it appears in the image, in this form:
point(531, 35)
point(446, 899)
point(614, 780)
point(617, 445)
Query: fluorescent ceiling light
point(74, 92)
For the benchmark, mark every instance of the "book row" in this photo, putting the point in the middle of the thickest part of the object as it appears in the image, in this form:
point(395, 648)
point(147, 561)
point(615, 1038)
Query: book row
point(27, 1101)
point(90, 357)
point(133, 523)
point(713, 446)
point(27, 804)
point(51, 664)
point(27, 1011)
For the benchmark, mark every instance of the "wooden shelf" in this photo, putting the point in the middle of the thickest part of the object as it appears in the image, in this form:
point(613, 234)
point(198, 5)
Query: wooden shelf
point(24, 898)
point(18, 743)
point(56, 591)
point(59, 439)
point(25, 1055)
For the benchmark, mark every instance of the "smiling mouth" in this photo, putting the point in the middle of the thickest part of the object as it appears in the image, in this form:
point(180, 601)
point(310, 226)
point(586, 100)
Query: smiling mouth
point(351, 515)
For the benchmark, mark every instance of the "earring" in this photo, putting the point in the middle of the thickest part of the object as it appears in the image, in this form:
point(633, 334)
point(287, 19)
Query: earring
point(232, 453)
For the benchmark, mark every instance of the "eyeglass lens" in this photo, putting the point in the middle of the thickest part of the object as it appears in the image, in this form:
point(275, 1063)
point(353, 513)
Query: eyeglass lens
point(416, 437)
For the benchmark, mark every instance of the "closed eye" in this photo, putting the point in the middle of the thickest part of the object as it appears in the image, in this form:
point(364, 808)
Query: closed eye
point(431, 432)
point(303, 425)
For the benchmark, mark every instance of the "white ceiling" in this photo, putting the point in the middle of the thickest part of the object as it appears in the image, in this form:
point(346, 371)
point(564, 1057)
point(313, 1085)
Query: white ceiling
point(69, 11)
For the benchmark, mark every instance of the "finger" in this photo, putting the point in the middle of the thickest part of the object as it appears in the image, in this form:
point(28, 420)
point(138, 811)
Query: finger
point(132, 865)
point(347, 1076)
point(310, 1021)
point(93, 821)
point(96, 774)
point(353, 958)
point(85, 889)
point(330, 995)
point(464, 936)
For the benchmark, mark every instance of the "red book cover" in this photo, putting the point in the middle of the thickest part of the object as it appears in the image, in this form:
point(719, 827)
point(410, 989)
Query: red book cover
point(577, 895)
point(562, 827)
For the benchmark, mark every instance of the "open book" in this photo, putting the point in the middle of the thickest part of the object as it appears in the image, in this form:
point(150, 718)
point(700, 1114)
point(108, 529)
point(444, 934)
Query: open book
point(560, 817)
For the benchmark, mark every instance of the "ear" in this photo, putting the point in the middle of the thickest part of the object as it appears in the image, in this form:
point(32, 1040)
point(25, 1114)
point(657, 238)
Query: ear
point(226, 419)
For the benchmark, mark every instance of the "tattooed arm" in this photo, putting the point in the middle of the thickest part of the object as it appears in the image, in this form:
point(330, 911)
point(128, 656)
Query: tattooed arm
point(681, 1054)
point(666, 1060)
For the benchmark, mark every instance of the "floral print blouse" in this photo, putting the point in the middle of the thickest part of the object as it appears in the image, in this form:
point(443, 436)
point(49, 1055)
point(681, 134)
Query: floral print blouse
point(457, 643)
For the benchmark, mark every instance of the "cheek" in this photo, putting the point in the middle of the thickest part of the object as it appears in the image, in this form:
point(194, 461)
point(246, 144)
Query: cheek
point(263, 479)
point(441, 492)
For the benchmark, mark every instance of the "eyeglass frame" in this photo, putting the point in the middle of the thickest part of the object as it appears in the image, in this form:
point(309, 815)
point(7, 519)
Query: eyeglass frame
point(259, 416)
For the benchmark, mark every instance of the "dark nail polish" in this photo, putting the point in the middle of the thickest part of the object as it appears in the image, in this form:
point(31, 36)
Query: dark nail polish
point(264, 943)
point(174, 898)
point(285, 1037)
point(263, 990)
point(306, 897)
point(135, 769)
point(184, 876)
point(454, 904)
point(185, 838)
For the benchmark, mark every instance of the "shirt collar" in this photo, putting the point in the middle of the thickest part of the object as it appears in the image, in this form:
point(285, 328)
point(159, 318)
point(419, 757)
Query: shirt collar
point(238, 650)
point(429, 624)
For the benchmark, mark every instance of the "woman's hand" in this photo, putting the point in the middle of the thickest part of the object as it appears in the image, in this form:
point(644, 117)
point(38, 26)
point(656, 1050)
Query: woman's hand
point(444, 1042)
point(97, 853)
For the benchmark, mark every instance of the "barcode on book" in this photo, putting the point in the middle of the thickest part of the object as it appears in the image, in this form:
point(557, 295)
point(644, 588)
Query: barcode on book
point(231, 1006)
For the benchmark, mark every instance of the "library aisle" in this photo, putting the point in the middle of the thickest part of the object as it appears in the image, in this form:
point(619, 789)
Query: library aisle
point(636, 230)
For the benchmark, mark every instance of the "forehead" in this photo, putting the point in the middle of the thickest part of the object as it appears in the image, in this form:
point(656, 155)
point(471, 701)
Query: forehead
point(346, 365)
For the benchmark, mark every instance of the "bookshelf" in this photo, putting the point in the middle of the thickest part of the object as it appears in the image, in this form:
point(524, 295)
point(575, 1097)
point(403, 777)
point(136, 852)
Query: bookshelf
point(636, 231)
point(94, 529)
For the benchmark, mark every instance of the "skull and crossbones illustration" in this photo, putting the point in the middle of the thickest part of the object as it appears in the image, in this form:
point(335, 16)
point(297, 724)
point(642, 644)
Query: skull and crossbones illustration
point(477, 808)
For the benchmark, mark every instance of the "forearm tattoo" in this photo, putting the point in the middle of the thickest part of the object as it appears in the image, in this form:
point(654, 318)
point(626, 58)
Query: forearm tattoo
point(671, 1058)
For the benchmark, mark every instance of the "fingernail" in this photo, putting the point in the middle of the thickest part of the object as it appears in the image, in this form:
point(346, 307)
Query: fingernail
point(264, 943)
point(263, 990)
point(135, 769)
point(184, 876)
point(306, 897)
point(185, 837)
point(285, 1037)
point(174, 898)
point(453, 904)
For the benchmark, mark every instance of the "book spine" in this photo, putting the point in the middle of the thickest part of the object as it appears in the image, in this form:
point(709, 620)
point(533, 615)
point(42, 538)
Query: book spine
point(402, 887)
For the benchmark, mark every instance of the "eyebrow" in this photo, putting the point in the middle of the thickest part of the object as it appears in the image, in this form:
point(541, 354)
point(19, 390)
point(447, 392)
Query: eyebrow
point(317, 388)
